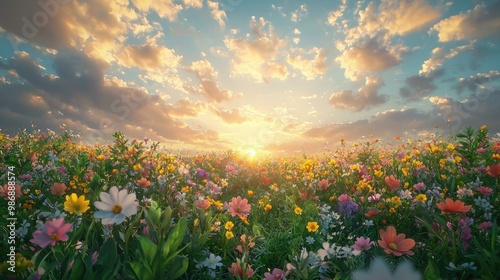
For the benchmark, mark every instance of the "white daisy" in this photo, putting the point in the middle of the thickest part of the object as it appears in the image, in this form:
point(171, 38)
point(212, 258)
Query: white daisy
point(115, 206)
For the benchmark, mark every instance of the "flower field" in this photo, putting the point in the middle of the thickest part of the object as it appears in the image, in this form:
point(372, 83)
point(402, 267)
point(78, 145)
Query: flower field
point(133, 210)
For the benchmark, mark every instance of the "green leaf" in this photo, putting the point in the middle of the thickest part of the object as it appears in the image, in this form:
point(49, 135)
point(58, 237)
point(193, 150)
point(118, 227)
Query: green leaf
point(178, 267)
point(174, 238)
point(141, 272)
point(431, 272)
point(108, 254)
point(148, 248)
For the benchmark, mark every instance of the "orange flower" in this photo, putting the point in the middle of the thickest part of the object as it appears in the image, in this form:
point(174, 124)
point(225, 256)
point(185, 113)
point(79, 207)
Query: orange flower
point(371, 213)
point(143, 182)
point(394, 243)
point(451, 207)
point(392, 183)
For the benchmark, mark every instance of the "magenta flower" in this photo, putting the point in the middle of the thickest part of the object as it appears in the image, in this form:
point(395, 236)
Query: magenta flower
point(239, 207)
point(362, 244)
point(52, 232)
point(485, 226)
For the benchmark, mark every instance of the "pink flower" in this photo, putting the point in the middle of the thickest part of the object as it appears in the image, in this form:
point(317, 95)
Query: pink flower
point(392, 183)
point(6, 193)
point(362, 244)
point(202, 204)
point(239, 207)
point(344, 198)
point(52, 232)
point(58, 189)
point(485, 191)
point(374, 198)
point(494, 170)
point(143, 182)
point(485, 226)
point(277, 274)
point(419, 186)
point(323, 184)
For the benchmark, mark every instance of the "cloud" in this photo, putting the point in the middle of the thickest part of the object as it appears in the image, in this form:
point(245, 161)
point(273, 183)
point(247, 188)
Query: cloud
point(208, 87)
point(365, 98)
point(335, 15)
point(257, 54)
point(474, 24)
point(310, 68)
point(165, 9)
point(232, 116)
point(298, 14)
point(193, 3)
point(477, 81)
point(418, 87)
point(439, 56)
point(103, 107)
point(218, 14)
point(149, 57)
point(385, 125)
point(404, 17)
point(370, 56)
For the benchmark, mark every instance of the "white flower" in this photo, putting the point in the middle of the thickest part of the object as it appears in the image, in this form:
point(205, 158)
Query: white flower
point(212, 261)
point(379, 270)
point(115, 206)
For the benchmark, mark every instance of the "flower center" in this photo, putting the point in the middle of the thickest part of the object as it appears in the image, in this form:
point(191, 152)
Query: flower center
point(117, 209)
point(53, 236)
point(393, 246)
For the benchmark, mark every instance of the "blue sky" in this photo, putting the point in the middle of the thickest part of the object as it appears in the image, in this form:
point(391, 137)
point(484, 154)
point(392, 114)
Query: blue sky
point(278, 76)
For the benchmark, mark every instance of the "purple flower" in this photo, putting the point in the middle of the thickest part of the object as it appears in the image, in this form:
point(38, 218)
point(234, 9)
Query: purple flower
point(202, 173)
point(347, 206)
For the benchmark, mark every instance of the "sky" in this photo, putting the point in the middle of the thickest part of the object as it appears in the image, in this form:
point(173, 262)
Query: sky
point(267, 76)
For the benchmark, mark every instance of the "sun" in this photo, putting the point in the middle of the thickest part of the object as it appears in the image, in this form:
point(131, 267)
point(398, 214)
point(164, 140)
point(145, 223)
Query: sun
point(251, 153)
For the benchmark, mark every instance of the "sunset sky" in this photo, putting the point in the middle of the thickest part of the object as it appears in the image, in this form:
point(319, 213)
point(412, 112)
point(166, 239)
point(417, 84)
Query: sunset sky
point(242, 75)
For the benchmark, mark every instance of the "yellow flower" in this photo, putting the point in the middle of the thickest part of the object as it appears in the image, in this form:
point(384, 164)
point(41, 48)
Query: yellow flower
point(76, 204)
point(137, 167)
point(100, 157)
point(392, 210)
point(244, 220)
point(250, 193)
point(312, 226)
point(229, 235)
point(268, 207)
point(495, 156)
point(421, 197)
point(298, 210)
point(229, 225)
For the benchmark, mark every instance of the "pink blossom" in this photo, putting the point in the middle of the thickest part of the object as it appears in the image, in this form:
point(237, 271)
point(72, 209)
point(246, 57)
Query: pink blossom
point(485, 191)
point(323, 184)
point(485, 226)
point(344, 198)
point(239, 207)
point(202, 204)
point(419, 186)
point(277, 274)
point(52, 232)
point(362, 244)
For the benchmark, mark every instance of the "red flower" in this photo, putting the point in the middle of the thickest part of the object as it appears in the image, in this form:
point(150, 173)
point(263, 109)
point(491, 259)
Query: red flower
point(494, 170)
point(372, 213)
point(392, 183)
point(394, 243)
point(451, 207)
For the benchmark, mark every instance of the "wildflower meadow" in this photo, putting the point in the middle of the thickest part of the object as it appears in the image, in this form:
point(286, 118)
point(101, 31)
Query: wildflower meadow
point(132, 209)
